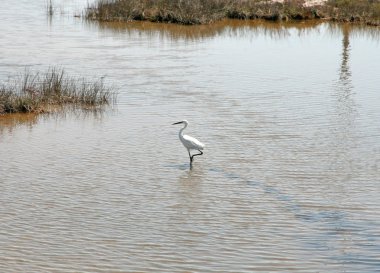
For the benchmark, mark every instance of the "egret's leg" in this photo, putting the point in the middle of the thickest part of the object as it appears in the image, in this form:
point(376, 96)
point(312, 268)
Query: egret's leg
point(191, 158)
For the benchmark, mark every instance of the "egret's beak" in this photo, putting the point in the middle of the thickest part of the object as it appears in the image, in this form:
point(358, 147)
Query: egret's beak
point(179, 122)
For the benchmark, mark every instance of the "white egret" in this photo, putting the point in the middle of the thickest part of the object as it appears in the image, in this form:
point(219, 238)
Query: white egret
point(189, 142)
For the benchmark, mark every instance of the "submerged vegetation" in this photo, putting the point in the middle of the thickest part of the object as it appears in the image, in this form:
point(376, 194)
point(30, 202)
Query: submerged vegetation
point(41, 92)
point(190, 12)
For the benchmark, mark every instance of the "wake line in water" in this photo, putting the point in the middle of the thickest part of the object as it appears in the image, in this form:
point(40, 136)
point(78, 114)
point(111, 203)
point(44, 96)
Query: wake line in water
point(286, 200)
point(335, 226)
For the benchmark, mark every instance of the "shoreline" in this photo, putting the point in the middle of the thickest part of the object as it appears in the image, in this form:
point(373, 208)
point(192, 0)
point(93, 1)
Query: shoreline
point(197, 12)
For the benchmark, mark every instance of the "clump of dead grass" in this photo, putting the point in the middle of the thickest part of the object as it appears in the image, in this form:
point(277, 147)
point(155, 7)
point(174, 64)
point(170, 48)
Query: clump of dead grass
point(35, 92)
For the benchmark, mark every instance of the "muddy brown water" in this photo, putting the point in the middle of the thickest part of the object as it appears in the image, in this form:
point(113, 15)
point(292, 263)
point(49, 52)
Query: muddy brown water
point(289, 180)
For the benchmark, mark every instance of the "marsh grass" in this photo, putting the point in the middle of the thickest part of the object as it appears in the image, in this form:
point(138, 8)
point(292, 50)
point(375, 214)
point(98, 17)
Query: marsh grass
point(39, 92)
point(190, 12)
point(366, 11)
point(186, 12)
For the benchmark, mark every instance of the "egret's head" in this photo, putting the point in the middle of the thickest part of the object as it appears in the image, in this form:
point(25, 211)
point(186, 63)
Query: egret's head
point(181, 122)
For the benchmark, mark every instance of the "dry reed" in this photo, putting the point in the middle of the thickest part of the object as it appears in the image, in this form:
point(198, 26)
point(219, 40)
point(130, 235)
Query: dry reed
point(38, 92)
point(191, 12)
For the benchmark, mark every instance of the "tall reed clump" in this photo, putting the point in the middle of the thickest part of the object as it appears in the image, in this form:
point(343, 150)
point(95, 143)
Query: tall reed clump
point(38, 92)
point(190, 12)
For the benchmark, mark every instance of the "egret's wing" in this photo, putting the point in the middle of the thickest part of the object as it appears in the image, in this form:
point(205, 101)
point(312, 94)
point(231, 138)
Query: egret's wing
point(193, 142)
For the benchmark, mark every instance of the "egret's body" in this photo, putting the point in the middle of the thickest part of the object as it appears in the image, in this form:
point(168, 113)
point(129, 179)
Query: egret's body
point(189, 142)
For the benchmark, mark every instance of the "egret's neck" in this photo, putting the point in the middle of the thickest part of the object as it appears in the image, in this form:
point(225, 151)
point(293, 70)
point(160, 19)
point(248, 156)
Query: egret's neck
point(181, 131)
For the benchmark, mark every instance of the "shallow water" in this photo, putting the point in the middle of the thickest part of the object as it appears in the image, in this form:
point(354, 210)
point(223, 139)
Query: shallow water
point(289, 179)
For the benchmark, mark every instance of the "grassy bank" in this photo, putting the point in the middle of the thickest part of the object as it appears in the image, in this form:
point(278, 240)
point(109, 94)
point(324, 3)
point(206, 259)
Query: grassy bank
point(191, 12)
point(40, 92)
point(364, 11)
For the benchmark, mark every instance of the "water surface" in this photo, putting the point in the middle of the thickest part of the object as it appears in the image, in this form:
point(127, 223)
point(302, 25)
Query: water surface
point(289, 179)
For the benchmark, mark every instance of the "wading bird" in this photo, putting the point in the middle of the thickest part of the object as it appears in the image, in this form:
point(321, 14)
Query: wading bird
point(189, 142)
